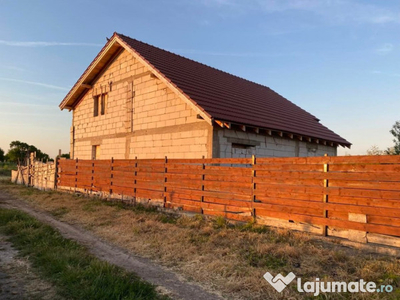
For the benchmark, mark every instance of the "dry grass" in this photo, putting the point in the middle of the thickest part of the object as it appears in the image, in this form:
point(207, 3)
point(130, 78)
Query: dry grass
point(221, 256)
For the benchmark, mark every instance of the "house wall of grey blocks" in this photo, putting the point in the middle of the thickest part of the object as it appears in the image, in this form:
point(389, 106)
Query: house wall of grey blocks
point(228, 143)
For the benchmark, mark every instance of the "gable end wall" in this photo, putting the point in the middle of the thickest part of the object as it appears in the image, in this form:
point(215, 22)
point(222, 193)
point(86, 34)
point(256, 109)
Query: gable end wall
point(143, 118)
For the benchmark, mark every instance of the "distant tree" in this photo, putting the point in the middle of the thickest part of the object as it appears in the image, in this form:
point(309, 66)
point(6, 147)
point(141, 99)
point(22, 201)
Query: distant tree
point(389, 151)
point(19, 151)
point(374, 150)
point(395, 131)
point(2, 157)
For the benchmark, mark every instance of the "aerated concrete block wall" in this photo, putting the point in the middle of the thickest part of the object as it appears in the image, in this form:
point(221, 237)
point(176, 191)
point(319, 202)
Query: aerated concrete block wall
point(263, 145)
point(143, 118)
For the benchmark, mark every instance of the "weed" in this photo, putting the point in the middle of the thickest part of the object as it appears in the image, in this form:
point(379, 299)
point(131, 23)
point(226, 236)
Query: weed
point(220, 222)
point(264, 260)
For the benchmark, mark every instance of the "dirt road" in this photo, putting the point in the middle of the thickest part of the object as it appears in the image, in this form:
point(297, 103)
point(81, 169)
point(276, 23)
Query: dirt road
point(167, 281)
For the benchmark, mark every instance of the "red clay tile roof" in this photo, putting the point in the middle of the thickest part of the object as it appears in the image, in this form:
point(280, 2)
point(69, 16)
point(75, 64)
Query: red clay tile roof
point(230, 98)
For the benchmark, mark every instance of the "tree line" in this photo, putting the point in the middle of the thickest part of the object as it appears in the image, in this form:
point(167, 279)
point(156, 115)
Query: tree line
point(19, 151)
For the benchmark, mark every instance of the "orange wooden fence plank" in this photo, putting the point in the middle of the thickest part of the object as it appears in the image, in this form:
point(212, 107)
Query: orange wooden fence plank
point(382, 229)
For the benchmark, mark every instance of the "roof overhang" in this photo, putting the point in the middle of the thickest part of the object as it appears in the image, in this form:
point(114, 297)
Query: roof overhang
point(105, 56)
point(279, 133)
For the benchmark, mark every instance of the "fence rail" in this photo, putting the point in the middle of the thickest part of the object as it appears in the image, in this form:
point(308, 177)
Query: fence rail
point(354, 197)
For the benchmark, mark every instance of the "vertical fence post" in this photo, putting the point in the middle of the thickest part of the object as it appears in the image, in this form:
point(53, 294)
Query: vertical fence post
point(253, 187)
point(325, 197)
point(76, 174)
point(135, 179)
point(56, 176)
point(47, 174)
point(92, 183)
point(203, 177)
point(165, 181)
point(111, 176)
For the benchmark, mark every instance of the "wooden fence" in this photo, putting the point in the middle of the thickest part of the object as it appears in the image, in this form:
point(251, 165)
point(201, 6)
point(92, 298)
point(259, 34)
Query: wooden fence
point(353, 197)
point(38, 174)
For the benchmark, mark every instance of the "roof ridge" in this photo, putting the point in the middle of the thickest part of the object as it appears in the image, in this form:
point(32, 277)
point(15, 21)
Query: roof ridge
point(219, 70)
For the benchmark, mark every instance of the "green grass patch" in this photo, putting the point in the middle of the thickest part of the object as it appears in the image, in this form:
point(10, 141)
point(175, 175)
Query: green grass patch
point(75, 272)
point(264, 260)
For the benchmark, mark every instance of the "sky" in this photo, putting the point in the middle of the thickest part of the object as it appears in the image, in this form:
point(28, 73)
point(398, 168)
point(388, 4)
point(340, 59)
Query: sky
point(337, 59)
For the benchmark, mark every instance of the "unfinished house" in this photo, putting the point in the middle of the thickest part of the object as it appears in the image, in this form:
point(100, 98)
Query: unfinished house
point(137, 100)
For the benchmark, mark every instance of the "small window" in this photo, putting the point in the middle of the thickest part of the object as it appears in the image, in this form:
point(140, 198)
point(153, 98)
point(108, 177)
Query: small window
point(100, 104)
point(95, 151)
point(96, 106)
point(241, 146)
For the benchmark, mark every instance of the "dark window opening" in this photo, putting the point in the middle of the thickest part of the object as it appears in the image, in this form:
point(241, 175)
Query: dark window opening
point(100, 104)
point(242, 146)
point(96, 106)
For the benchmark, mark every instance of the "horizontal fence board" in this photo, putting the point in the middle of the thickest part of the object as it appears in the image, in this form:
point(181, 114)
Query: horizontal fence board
point(366, 185)
point(184, 185)
point(232, 178)
point(230, 202)
point(184, 181)
point(278, 194)
point(338, 191)
point(67, 169)
point(383, 220)
point(363, 168)
point(261, 189)
point(373, 202)
point(288, 209)
point(227, 189)
point(338, 215)
point(277, 181)
point(226, 184)
point(176, 177)
point(171, 195)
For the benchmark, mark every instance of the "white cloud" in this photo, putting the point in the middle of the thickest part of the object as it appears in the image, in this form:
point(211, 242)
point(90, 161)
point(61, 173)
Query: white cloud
point(44, 44)
point(385, 49)
point(50, 86)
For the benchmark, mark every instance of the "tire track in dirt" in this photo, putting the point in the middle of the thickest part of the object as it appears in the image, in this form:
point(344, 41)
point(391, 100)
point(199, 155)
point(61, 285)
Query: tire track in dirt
point(168, 282)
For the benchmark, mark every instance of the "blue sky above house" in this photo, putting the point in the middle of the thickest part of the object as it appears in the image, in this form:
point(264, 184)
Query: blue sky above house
point(337, 59)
